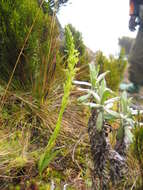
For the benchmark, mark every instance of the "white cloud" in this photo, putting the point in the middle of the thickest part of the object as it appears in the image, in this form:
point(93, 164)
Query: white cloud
point(101, 22)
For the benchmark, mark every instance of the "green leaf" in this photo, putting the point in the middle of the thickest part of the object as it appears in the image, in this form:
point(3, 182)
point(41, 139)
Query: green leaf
point(93, 74)
point(102, 76)
point(128, 135)
point(112, 100)
point(81, 83)
point(45, 159)
point(84, 98)
point(109, 117)
point(124, 95)
point(91, 92)
point(120, 133)
point(102, 89)
point(130, 122)
point(99, 121)
point(95, 95)
point(93, 105)
point(113, 113)
point(124, 102)
point(107, 92)
point(108, 106)
point(123, 116)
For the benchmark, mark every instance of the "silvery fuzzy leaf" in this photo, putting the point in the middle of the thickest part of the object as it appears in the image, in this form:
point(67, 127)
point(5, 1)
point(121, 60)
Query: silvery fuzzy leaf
point(113, 113)
point(128, 135)
point(83, 89)
point(118, 157)
point(91, 92)
point(107, 92)
point(81, 83)
point(130, 122)
point(123, 106)
point(93, 105)
point(102, 76)
point(95, 95)
point(84, 98)
point(124, 95)
point(129, 111)
point(99, 121)
point(112, 100)
point(94, 69)
point(93, 74)
point(101, 90)
point(108, 106)
point(123, 116)
point(109, 117)
point(130, 101)
point(103, 86)
point(124, 102)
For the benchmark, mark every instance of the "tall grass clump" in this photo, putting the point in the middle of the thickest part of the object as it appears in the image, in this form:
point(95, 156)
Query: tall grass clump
point(20, 20)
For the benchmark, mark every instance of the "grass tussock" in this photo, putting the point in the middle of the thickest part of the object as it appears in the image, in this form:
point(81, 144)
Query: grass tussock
point(26, 128)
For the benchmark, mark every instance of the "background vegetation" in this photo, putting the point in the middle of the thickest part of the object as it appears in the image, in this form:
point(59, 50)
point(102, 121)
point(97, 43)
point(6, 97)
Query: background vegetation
point(116, 66)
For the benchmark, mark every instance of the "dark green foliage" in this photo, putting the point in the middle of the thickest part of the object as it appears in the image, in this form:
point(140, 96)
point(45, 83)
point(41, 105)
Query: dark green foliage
point(58, 3)
point(48, 5)
point(116, 66)
point(77, 40)
point(16, 19)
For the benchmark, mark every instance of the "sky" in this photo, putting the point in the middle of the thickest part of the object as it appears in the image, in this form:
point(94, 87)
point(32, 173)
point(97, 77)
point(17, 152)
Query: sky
point(101, 22)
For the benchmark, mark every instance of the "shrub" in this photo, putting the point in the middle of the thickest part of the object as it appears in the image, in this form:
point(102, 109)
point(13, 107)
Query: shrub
point(16, 19)
point(116, 66)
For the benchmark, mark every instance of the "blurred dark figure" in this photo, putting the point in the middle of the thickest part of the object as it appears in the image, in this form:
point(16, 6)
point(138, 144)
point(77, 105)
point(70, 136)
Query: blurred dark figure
point(136, 53)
